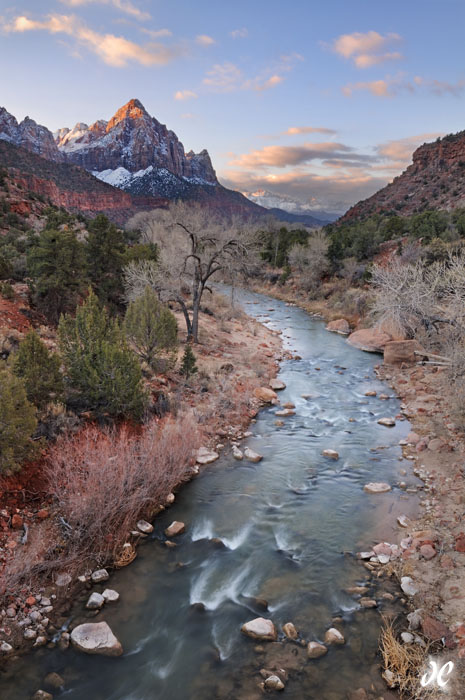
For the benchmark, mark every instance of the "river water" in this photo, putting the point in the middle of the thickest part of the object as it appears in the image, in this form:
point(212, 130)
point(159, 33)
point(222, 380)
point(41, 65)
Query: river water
point(288, 525)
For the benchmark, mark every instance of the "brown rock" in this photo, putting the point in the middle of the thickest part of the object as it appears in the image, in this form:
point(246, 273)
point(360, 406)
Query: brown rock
point(176, 528)
point(436, 630)
point(260, 628)
point(369, 339)
point(427, 551)
point(339, 326)
point(397, 352)
point(16, 522)
point(290, 630)
point(265, 394)
point(315, 650)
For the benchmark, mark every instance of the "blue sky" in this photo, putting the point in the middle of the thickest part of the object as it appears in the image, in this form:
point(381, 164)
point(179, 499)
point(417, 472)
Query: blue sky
point(321, 101)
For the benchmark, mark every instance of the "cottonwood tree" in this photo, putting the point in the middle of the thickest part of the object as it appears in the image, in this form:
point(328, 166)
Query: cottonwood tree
point(311, 259)
point(193, 245)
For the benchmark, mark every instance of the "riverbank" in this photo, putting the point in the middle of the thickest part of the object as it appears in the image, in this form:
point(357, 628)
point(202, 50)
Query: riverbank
point(235, 356)
point(430, 541)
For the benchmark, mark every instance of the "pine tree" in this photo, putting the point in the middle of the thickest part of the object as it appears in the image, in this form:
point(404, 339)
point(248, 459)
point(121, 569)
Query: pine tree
point(102, 373)
point(17, 422)
point(57, 265)
point(188, 363)
point(152, 330)
point(39, 369)
point(105, 252)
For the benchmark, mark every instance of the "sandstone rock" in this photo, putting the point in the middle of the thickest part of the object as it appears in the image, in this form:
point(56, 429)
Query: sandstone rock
point(96, 638)
point(397, 352)
point(144, 527)
point(176, 528)
point(274, 683)
point(356, 590)
point(290, 630)
point(285, 412)
point(206, 456)
point(265, 394)
point(435, 630)
point(413, 438)
point(388, 422)
point(16, 522)
point(427, 551)
point(277, 384)
point(376, 487)
point(333, 636)
point(408, 586)
point(339, 326)
point(332, 454)
point(368, 603)
point(100, 575)
point(315, 650)
point(252, 456)
point(369, 339)
point(110, 596)
point(260, 628)
point(95, 602)
point(370, 393)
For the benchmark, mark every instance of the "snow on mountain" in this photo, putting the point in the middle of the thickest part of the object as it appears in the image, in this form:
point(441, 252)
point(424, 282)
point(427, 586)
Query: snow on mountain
point(271, 200)
point(30, 135)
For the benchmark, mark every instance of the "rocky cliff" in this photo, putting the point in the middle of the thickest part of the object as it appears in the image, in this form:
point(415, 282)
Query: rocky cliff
point(135, 141)
point(29, 135)
point(434, 180)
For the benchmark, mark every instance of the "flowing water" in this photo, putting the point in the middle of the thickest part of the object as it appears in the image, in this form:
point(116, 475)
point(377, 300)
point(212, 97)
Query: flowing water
point(288, 525)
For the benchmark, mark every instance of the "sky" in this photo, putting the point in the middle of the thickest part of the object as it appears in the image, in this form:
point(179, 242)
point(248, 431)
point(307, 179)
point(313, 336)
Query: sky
point(323, 102)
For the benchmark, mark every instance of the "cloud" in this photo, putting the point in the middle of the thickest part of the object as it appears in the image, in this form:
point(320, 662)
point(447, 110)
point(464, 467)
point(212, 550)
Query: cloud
point(441, 87)
point(366, 50)
point(113, 50)
point(122, 5)
point(283, 156)
point(392, 86)
point(240, 33)
point(259, 84)
point(294, 130)
point(398, 152)
point(157, 33)
point(204, 40)
point(185, 95)
point(227, 77)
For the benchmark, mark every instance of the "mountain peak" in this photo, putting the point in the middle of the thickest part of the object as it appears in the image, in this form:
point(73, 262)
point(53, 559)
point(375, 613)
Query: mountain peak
point(134, 109)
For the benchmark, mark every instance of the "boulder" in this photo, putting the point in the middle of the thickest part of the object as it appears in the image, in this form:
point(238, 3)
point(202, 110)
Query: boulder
point(397, 352)
point(110, 596)
point(339, 326)
point(176, 528)
point(332, 454)
point(333, 636)
point(315, 650)
point(387, 422)
point(277, 384)
point(144, 527)
point(252, 456)
point(369, 339)
point(260, 628)
point(95, 601)
point(206, 456)
point(96, 638)
point(265, 394)
point(376, 487)
point(99, 576)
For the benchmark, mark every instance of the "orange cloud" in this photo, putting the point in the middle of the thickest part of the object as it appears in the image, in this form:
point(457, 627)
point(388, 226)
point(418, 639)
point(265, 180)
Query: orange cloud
point(204, 40)
point(282, 156)
point(367, 49)
point(122, 5)
point(185, 95)
point(294, 130)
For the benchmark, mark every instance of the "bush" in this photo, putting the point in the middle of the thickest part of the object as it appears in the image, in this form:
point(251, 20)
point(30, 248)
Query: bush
point(17, 422)
point(7, 291)
point(57, 265)
point(39, 370)
point(152, 330)
point(102, 373)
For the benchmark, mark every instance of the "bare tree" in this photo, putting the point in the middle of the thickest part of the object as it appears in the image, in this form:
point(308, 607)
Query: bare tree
point(193, 246)
point(311, 259)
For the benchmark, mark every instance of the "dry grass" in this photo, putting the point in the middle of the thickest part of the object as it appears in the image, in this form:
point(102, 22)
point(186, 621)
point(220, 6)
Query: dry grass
point(405, 662)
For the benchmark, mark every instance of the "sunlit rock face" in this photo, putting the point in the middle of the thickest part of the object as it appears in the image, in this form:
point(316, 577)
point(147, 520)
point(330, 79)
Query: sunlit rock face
point(135, 141)
point(30, 135)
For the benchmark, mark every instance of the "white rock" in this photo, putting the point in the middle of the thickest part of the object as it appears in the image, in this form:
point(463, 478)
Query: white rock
point(63, 580)
point(100, 575)
point(388, 422)
point(96, 638)
point(285, 412)
point(260, 628)
point(407, 637)
point(403, 521)
point(170, 499)
point(144, 527)
point(376, 487)
point(332, 454)
point(95, 602)
point(110, 596)
point(5, 648)
point(408, 586)
point(206, 456)
point(333, 636)
point(414, 619)
point(237, 453)
point(366, 555)
point(30, 634)
point(252, 456)
point(383, 558)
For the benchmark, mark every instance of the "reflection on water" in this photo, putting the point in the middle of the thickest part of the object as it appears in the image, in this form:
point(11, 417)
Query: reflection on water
point(281, 529)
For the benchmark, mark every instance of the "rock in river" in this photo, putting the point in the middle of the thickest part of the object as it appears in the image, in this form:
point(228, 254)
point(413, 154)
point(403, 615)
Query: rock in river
point(332, 454)
point(95, 601)
point(277, 384)
point(376, 487)
point(265, 394)
point(176, 528)
point(315, 650)
point(206, 456)
point(333, 636)
point(252, 456)
point(144, 527)
point(274, 683)
point(96, 638)
point(261, 629)
point(388, 422)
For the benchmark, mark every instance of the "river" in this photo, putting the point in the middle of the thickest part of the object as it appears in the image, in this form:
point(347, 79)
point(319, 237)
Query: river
point(289, 527)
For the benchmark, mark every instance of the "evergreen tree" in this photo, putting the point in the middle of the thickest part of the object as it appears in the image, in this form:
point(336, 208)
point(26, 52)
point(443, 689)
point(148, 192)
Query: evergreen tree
point(57, 265)
point(188, 363)
point(17, 422)
point(102, 373)
point(39, 369)
point(152, 330)
point(105, 258)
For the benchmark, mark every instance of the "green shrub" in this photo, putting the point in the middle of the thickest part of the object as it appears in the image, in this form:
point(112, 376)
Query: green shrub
point(105, 259)
point(7, 291)
point(188, 363)
point(152, 330)
point(101, 372)
point(39, 369)
point(17, 422)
